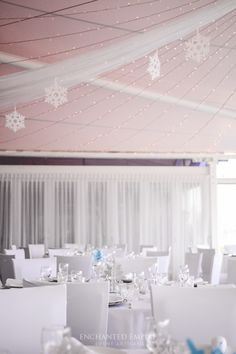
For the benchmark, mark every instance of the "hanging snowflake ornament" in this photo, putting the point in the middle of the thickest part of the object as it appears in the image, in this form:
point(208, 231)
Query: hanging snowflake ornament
point(15, 121)
point(197, 48)
point(56, 95)
point(154, 66)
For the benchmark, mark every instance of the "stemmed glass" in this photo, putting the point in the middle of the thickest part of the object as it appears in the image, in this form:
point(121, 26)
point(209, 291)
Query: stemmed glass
point(45, 273)
point(151, 334)
point(183, 275)
point(63, 271)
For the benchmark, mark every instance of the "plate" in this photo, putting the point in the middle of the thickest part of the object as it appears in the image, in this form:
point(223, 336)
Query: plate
point(115, 299)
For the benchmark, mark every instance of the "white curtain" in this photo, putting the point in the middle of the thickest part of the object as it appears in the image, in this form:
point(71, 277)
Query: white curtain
point(107, 206)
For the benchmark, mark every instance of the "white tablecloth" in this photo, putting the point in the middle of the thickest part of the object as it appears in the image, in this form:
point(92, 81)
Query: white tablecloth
point(126, 327)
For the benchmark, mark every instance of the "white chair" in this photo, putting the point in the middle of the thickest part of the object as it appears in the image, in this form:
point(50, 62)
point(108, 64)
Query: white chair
point(154, 253)
point(6, 267)
point(231, 270)
point(77, 263)
point(75, 246)
point(137, 264)
point(230, 249)
point(197, 313)
point(24, 312)
point(211, 265)
point(194, 262)
point(87, 311)
point(36, 250)
point(163, 263)
point(143, 248)
point(18, 253)
point(71, 246)
point(30, 269)
point(60, 252)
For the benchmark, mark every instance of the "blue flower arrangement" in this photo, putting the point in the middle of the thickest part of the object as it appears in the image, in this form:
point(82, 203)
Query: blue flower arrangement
point(98, 255)
point(194, 350)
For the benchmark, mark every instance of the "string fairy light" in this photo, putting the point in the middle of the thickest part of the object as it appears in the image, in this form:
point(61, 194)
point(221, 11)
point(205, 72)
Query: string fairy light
point(97, 43)
point(89, 30)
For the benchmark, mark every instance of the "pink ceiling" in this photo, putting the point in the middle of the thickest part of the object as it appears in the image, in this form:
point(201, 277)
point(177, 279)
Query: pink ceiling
point(98, 119)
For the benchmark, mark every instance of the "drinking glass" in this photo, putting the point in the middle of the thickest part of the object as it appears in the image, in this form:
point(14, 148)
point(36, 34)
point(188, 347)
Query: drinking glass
point(183, 275)
point(63, 270)
point(45, 273)
point(76, 276)
point(151, 334)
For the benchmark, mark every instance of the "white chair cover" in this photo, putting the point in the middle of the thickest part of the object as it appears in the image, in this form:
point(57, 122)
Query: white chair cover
point(231, 270)
point(6, 267)
point(230, 249)
point(197, 313)
point(137, 264)
point(30, 269)
point(143, 248)
point(60, 252)
point(163, 263)
point(75, 246)
point(87, 311)
point(194, 262)
point(18, 253)
point(36, 250)
point(24, 312)
point(211, 265)
point(77, 263)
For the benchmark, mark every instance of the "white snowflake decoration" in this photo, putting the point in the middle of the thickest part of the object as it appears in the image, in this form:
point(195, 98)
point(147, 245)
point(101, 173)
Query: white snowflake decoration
point(56, 95)
point(197, 48)
point(15, 121)
point(154, 66)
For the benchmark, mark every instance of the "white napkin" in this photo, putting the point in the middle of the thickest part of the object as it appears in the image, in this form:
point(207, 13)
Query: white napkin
point(14, 283)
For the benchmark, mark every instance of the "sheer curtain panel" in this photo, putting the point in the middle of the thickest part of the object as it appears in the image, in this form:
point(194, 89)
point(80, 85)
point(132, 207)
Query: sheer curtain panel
point(164, 206)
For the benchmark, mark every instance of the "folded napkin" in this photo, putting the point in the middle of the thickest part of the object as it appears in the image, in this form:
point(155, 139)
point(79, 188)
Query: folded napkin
point(14, 283)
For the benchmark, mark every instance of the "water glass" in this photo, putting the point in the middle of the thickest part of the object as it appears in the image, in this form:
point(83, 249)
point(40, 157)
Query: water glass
point(45, 273)
point(63, 272)
point(76, 276)
point(151, 334)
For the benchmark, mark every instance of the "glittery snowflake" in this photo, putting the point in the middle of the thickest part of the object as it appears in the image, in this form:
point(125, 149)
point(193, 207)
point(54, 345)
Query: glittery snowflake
point(56, 94)
point(15, 121)
point(154, 66)
point(197, 48)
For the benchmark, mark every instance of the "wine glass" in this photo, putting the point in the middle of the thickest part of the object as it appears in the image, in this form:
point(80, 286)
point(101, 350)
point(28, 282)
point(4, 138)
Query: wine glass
point(63, 270)
point(45, 273)
point(151, 334)
point(183, 275)
point(76, 276)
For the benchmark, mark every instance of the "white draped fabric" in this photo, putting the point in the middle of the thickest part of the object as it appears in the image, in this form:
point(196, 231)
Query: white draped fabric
point(167, 207)
point(24, 86)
